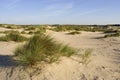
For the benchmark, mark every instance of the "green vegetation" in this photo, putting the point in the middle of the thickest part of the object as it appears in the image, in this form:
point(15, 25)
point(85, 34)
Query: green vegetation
point(110, 31)
point(39, 31)
point(42, 48)
point(31, 32)
point(86, 56)
point(11, 32)
point(23, 32)
point(91, 28)
point(13, 37)
point(115, 34)
point(74, 33)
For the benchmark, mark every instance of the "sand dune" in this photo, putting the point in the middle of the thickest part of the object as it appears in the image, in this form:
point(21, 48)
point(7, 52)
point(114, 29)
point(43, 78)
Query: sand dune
point(104, 64)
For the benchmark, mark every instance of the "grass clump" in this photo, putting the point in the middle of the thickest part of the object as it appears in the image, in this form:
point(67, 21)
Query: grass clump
point(42, 48)
point(13, 37)
point(86, 56)
point(74, 33)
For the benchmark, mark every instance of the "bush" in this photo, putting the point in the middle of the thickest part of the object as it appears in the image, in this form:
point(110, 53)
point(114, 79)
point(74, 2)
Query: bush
point(74, 32)
point(13, 37)
point(42, 48)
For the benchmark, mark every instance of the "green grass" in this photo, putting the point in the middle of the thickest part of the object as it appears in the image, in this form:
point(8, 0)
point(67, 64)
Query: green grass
point(74, 33)
point(11, 31)
point(13, 37)
point(39, 31)
point(86, 56)
point(77, 28)
point(42, 48)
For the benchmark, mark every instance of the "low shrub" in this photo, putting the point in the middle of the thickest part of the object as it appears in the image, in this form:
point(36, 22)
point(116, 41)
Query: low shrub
point(42, 48)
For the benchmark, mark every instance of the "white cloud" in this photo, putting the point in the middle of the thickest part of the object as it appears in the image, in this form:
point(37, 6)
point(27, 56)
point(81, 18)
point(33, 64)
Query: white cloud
point(12, 4)
point(90, 12)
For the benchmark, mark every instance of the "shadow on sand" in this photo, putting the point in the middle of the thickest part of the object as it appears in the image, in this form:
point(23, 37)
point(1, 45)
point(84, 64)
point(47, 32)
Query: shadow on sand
point(98, 37)
point(7, 61)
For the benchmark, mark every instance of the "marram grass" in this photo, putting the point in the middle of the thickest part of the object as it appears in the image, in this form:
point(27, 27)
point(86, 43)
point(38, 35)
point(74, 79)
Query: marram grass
point(13, 37)
point(42, 48)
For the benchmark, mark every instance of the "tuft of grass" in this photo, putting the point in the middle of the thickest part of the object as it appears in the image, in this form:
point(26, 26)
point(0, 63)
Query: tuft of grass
point(13, 37)
point(74, 33)
point(86, 56)
point(42, 48)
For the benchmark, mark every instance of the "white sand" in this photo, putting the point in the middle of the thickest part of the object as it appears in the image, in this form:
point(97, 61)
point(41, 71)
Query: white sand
point(104, 64)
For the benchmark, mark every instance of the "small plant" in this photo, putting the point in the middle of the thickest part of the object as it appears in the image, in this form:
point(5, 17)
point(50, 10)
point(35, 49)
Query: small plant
point(86, 56)
point(42, 47)
point(74, 33)
point(13, 37)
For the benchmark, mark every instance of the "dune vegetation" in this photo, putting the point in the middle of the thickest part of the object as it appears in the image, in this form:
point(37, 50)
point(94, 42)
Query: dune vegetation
point(86, 56)
point(42, 48)
point(113, 34)
point(13, 36)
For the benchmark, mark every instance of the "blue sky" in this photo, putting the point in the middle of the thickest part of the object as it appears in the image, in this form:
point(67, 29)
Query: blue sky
point(60, 11)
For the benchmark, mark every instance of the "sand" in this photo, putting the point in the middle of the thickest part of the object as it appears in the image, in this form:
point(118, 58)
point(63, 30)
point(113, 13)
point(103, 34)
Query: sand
point(104, 62)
